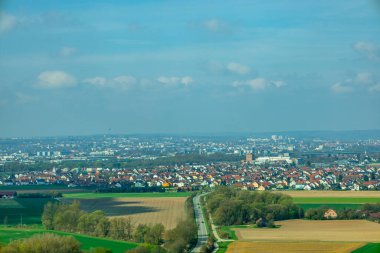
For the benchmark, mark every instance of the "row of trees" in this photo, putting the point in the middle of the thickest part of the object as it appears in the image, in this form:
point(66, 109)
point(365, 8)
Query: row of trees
point(229, 206)
point(69, 218)
point(364, 212)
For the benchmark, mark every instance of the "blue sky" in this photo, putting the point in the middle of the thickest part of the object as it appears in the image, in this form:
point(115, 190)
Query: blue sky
point(90, 67)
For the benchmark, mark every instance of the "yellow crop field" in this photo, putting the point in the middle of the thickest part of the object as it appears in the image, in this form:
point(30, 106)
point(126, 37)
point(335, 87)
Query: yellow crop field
point(318, 230)
point(290, 247)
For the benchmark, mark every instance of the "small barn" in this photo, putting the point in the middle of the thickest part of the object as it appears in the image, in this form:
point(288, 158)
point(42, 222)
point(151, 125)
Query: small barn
point(330, 214)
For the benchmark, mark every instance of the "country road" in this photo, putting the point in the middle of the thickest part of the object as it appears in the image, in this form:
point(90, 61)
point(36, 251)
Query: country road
point(202, 230)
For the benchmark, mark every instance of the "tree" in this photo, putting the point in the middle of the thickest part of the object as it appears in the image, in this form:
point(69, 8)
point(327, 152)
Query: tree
point(139, 233)
point(154, 234)
point(48, 215)
point(88, 223)
point(120, 228)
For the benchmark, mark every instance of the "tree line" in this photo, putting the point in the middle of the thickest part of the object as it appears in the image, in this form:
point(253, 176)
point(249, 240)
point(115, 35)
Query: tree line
point(364, 212)
point(229, 206)
point(70, 218)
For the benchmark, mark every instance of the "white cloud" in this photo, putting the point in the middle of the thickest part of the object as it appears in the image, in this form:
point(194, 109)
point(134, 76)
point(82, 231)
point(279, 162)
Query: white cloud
point(339, 88)
point(278, 83)
point(174, 81)
point(96, 81)
point(254, 84)
point(119, 82)
point(216, 26)
point(7, 22)
point(237, 68)
point(67, 51)
point(370, 50)
point(55, 79)
point(258, 84)
point(168, 80)
point(186, 80)
point(231, 67)
point(122, 82)
point(375, 88)
point(212, 25)
point(364, 78)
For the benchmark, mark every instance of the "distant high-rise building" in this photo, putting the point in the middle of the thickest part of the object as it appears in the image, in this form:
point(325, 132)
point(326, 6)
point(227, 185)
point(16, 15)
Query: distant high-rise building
point(248, 157)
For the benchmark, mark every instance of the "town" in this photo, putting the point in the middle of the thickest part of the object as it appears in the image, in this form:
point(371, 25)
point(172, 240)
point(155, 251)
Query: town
point(176, 163)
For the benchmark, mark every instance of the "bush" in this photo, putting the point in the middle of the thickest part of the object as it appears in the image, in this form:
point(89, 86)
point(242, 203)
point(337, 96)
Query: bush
point(44, 243)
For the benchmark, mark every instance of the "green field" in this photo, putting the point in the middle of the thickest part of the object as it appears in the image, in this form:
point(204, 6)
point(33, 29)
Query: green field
point(27, 209)
point(332, 206)
point(42, 188)
point(231, 233)
point(92, 195)
point(223, 247)
point(369, 248)
point(335, 200)
point(87, 242)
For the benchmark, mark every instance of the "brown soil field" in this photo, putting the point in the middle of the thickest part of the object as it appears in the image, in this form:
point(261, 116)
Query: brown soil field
point(290, 247)
point(343, 194)
point(165, 210)
point(306, 230)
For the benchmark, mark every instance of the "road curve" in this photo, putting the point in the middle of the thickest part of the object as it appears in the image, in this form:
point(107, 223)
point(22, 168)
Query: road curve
point(200, 220)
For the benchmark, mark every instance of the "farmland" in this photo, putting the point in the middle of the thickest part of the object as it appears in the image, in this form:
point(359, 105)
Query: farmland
point(334, 199)
point(92, 195)
point(165, 210)
point(43, 188)
point(305, 230)
point(369, 248)
point(289, 247)
point(29, 210)
point(332, 194)
point(87, 242)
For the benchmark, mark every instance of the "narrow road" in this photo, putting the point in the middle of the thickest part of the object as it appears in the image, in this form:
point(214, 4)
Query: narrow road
point(202, 230)
point(215, 232)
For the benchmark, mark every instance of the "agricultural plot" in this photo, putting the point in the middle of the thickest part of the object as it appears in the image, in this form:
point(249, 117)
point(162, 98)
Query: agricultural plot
point(305, 230)
point(25, 210)
point(334, 199)
point(44, 188)
point(87, 242)
point(145, 210)
point(332, 194)
point(290, 247)
point(369, 248)
point(92, 195)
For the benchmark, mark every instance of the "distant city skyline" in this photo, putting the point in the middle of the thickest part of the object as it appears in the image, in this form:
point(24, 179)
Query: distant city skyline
point(181, 67)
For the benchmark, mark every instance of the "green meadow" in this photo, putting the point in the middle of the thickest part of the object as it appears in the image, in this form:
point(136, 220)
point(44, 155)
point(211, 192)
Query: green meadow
point(87, 242)
point(25, 210)
point(369, 248)
point(335, 200)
